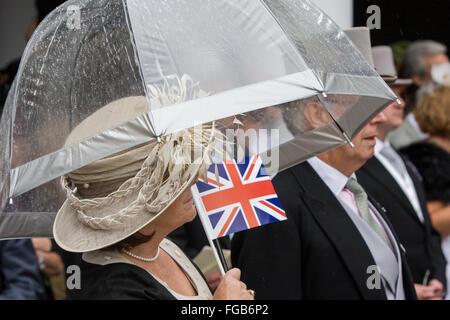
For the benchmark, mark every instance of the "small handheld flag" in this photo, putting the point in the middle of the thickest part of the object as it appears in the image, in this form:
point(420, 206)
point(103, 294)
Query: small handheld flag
point(237, 196)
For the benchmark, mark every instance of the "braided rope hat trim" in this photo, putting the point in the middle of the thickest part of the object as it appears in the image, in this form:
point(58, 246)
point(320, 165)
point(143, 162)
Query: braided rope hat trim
point(167, 169)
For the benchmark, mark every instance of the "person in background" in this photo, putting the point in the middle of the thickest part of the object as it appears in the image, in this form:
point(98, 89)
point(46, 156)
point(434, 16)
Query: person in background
point(51, 267)
point(325, 247)
point(335, 233)
point(19, 271)
point(420, 57)
point(432, 159)
point(395, 184)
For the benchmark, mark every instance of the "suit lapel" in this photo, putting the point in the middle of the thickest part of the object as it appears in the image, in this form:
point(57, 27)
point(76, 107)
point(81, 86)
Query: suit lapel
point(380, 174)
point(382, 212)
point(422, 199)
point(408, 284)
point(339, 228)
point(417, 185)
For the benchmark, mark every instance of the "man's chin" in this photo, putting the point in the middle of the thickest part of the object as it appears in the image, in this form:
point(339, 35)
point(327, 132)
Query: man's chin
point(368, 149)
point(369, 153)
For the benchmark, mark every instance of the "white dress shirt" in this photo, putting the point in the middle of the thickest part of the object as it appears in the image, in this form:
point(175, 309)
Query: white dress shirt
point(404, 181)
point(333, 178)
point(336, 181)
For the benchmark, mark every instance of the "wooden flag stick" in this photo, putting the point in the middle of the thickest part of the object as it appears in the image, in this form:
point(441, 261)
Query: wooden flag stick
point(215, 246)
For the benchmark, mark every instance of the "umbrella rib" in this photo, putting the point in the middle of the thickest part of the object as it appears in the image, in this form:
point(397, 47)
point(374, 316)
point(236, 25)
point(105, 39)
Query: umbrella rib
point(136, 54)
point(325, 105)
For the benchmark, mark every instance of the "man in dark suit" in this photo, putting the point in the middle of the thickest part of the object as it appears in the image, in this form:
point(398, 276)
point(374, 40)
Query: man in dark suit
point(336, 242)
point(396, 185)
point(319, 251)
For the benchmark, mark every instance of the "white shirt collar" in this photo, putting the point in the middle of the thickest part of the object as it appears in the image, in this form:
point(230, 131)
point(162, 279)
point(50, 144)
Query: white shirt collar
point(379, 145)
point(333, 178)
point(403, 181)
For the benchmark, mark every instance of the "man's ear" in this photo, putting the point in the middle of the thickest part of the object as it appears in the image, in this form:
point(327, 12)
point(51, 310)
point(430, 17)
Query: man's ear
point(316, 115)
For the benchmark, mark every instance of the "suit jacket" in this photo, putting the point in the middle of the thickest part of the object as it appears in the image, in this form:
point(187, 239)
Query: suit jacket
point(421, 240)
point(317, 253)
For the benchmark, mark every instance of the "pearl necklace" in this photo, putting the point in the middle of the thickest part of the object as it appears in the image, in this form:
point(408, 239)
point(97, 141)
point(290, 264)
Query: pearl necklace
point(142, 258)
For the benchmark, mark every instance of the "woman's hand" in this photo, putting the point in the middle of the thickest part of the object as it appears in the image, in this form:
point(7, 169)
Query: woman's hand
point(232, 288)
point(213, 279)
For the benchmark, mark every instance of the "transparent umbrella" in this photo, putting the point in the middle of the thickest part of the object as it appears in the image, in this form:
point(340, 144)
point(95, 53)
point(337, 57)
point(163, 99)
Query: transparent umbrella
point(256, 66)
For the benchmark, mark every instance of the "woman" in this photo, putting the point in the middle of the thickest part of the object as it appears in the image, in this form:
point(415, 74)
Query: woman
point(432, 158)
point(120, 209)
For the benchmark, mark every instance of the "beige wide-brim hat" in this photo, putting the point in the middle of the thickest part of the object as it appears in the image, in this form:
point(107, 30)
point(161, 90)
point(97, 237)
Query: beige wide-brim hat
point(83, 225)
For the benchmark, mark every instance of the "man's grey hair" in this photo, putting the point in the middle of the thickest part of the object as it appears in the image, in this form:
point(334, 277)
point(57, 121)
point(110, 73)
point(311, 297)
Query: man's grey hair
point(294, 115)
point(413, 63)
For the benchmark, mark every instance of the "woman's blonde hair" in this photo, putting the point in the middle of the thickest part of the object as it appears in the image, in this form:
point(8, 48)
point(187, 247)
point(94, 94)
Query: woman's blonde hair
point(433, 112)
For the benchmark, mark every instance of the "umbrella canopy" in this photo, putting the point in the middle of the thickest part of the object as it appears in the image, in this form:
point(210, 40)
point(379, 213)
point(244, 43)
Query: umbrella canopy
point(211, 60)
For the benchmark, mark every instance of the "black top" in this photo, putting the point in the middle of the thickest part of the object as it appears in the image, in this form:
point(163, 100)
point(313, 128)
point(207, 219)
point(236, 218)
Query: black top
point(433, 163)
point(117, 281)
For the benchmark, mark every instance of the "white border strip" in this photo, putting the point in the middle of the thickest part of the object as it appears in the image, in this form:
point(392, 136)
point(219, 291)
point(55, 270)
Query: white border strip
point(58, 163)
point(173, 118)
point(188, 114)
point(237, 101)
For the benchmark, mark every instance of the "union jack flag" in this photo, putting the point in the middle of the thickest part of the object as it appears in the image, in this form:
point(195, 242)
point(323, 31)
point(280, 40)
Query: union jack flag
point(241, 199)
